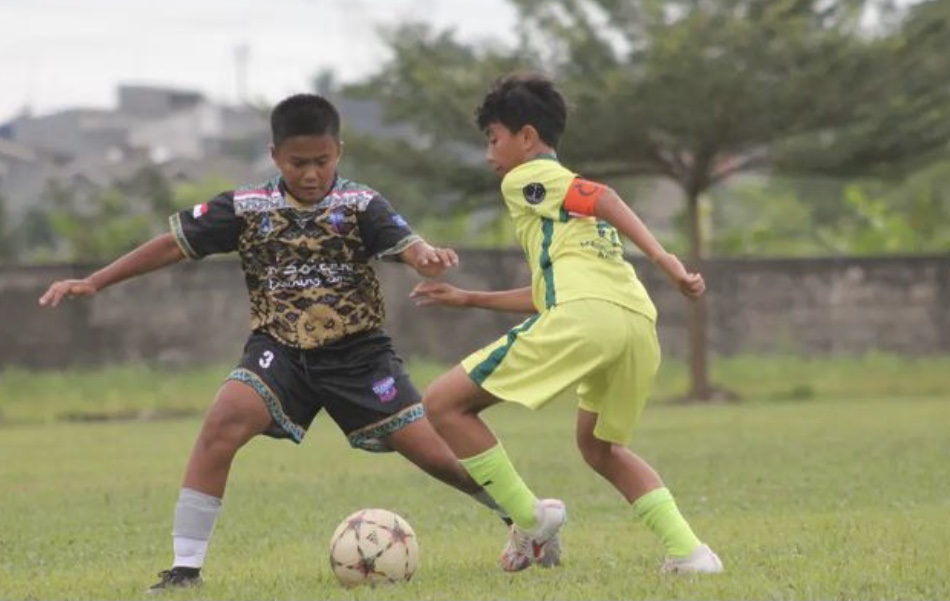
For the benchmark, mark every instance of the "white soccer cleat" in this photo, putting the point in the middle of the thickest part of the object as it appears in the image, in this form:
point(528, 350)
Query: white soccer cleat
point(542, 545)
point(700, 561)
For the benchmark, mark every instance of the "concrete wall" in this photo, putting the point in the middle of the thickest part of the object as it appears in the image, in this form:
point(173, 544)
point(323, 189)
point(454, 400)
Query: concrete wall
point(197, 313)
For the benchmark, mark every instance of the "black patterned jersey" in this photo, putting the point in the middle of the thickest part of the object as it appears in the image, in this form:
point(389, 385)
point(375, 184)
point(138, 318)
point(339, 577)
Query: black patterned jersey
point(307, 268)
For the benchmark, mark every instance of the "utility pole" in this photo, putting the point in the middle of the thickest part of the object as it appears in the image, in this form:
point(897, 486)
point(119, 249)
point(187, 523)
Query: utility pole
point(242, 54)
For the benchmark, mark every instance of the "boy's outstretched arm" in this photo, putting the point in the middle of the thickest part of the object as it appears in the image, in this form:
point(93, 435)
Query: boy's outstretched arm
point(154, 254)
point(439, 293)
point(607, 205)
point(427, 260)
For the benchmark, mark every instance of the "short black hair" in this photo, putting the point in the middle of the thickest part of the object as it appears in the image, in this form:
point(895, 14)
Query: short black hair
point(304, 115)
point(521, 99)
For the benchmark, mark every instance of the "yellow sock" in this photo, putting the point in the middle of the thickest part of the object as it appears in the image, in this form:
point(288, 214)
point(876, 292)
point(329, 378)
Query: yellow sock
point(658, 511)
point(494, 472)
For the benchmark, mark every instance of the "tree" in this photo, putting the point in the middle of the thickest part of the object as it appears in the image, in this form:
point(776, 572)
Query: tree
point(793, 217)
point(8, 247)
point(697, 91)
point(431, 87)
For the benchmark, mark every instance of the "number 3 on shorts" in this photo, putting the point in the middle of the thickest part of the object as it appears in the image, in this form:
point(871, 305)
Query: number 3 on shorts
point(266, 358)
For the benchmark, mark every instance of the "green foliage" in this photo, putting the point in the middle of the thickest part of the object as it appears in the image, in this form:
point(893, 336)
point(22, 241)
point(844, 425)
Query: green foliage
point(781, 217)
point(813, 500)
point(37, 236)
point(436, 166)
point(188, 194)
point(756, 217)
point(875, 227)
point(111, 222)
point(897, 111)
point(694, 91)
point(8, 247)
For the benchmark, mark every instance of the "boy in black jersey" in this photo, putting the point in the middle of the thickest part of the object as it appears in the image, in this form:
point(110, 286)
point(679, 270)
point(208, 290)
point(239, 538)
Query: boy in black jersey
point(305, 239)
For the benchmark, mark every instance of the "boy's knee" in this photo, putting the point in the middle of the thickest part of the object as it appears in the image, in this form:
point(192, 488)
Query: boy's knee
point(595, 452)
point(436, 409)
point(224, 432)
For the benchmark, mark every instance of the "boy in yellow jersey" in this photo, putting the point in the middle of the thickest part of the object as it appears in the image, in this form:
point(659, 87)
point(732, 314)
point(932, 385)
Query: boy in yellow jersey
point(592, 330)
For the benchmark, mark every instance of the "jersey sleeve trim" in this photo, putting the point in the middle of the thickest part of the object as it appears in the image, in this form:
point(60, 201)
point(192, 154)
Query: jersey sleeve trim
point(582, 196)
point(400, 246)
point(178, 233)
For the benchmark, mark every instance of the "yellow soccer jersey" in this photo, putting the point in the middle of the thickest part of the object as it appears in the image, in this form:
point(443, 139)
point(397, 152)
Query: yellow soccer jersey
point(571, 256)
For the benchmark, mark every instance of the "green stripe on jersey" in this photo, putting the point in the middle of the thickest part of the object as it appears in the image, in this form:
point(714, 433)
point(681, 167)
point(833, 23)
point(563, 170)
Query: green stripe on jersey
point(547, 268)
point(489, 365)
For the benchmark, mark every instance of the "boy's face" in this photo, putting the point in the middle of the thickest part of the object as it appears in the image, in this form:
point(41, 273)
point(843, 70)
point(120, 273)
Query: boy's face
point(507, 149)
point(308, 165)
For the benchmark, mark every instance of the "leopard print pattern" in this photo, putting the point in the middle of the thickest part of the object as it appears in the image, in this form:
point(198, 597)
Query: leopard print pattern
point(307, 271)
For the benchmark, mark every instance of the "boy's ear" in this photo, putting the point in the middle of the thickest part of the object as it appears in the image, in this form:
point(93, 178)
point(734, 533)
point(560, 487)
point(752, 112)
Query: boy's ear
point(273, 153)
point(529, 136)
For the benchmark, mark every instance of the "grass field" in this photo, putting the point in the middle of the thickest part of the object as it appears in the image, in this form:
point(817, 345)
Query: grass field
point(818, 496)
point(137, 391)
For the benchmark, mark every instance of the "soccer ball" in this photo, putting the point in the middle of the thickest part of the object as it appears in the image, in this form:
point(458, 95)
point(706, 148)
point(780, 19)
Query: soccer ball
point(372, 546)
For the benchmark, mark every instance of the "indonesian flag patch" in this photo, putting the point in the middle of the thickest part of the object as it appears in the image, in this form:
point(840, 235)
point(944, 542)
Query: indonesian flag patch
point(199, 210)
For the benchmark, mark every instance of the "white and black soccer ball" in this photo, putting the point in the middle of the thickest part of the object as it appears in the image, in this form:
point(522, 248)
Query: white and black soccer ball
point(372, 546)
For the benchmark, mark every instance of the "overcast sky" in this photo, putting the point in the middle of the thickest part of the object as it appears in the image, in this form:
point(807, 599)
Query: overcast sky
point(57, 54)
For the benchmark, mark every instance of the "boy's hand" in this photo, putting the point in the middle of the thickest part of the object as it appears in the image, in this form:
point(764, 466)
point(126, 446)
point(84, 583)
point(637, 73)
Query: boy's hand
point(67, 289)
point(431, 262)
point(690, 284)
point(439, 293)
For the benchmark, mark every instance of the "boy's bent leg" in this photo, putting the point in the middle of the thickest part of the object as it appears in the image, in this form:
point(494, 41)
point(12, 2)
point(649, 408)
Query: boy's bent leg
point(653, 503)
point(419, 443)
point(453, 402)
point(237, 415)
point(630, 475)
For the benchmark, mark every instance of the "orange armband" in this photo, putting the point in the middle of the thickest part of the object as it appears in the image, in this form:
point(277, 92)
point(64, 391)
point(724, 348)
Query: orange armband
point(582, 196)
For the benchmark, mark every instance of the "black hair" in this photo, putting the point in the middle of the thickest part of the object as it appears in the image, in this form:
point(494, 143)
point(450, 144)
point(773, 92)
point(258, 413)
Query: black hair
point(304, 115)
point(521, 99)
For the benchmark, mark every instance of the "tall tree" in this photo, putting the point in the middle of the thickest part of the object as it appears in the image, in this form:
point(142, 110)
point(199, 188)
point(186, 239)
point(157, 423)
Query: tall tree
point(8, 247)
point(697, 91)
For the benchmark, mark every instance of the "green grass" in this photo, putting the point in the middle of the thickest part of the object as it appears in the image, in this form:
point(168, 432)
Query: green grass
point(138, 391)
point(796, 378)
point(830, 499)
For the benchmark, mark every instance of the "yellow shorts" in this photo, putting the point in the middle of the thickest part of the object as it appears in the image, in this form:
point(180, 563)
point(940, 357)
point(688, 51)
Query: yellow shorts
point(610, 354)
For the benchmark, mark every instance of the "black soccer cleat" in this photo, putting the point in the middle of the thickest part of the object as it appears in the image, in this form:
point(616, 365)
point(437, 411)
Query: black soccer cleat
point(177, 577)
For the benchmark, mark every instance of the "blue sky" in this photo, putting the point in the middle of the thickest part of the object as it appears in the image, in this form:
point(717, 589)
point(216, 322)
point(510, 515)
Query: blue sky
point(58, 54)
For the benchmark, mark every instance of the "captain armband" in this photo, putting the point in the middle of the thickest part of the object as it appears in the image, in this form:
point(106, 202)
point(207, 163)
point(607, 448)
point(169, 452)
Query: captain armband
point(582, 196)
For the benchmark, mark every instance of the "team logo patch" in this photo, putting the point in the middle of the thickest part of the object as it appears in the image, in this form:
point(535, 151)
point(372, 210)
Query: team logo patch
point(199, 210)
point(398, 220)
point(386, 389)
point(266, 226)
point(534, 193)
point(337, 221)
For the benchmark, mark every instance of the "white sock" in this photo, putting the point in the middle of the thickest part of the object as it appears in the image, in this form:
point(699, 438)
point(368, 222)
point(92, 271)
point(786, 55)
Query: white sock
point(195, 515)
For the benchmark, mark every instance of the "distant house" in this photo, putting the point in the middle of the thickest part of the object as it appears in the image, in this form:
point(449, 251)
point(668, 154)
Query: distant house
point(149, 103)
point(72, 132)
point(24, 171)
point(87, 150)
point(201, 131)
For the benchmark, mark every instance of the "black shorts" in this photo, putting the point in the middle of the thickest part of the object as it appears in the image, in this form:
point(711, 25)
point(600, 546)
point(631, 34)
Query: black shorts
point(360, 381)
